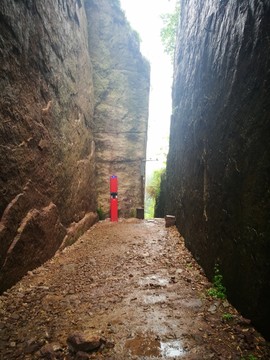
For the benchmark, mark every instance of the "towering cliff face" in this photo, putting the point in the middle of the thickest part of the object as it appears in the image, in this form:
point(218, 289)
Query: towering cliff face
point(121, 82)
point(47, 148)
point(219, 157)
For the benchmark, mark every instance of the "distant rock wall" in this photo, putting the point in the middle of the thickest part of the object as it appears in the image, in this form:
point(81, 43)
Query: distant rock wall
point(219, 159)
point(121, 82)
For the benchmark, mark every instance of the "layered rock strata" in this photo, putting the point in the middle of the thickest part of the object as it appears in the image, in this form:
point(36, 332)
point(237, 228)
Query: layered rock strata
point(219, 162)
point(121, 82)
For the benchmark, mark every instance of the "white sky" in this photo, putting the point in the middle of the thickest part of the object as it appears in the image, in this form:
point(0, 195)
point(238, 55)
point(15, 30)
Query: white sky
point(144, 17)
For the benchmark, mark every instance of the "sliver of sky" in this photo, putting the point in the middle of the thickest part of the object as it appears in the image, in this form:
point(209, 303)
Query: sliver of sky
point(145, 17)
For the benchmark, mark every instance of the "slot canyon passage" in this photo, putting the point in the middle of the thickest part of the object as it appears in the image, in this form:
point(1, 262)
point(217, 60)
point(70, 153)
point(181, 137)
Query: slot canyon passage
point(74, 109)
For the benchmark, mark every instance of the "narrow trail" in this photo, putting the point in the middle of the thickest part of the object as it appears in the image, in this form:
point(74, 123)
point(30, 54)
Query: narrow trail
point(134, 285)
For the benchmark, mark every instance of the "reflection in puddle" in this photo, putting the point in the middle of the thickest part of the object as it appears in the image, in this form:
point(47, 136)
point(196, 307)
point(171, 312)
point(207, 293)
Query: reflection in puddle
point(171, 348)
point(149, 346)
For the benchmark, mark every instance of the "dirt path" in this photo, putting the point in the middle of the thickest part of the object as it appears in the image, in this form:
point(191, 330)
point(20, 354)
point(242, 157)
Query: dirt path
point(133, 284)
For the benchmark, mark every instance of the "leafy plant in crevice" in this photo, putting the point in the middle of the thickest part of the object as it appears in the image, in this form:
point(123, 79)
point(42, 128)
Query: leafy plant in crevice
point(169, 30)
point(218, 290)
point(227, 317)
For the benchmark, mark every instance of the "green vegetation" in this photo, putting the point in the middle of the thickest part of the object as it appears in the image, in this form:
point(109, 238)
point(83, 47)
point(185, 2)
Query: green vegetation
point(169, 31)
point(153, 188)
point(249, 357)
point(152, 192)
point(227, 317)
point(149, 208)
point(218, 290)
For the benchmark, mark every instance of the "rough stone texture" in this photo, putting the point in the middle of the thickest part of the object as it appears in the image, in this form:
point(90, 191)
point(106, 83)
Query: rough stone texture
point(219, 162)
point(84, 342)
point(121, 82)
point(45, 231)
point(76, 229)
point(47, 150)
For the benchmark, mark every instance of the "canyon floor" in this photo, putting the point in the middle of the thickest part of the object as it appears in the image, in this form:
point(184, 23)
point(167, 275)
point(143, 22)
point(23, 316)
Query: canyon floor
point(135, 289)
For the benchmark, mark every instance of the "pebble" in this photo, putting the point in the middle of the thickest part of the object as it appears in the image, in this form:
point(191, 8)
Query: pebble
point(212, 309)
point(47, 352)
point(84, 342)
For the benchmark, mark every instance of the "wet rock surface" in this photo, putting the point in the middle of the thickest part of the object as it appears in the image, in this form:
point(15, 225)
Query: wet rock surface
point(218, 162)
point(127, 290)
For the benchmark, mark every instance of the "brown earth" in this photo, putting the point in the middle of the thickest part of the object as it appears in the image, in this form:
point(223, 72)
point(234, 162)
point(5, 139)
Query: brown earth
point(134, 285)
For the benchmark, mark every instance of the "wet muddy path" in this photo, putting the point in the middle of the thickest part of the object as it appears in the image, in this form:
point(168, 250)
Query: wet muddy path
point(135, 285)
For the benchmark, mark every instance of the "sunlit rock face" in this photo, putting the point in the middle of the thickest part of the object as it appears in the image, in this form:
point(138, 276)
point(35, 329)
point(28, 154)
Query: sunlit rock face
point(47, 150)
point(121, 81)
point(219, 158)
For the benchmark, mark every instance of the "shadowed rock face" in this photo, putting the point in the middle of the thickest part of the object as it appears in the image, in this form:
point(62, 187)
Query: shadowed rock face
point(219, 157)
point(121, 82)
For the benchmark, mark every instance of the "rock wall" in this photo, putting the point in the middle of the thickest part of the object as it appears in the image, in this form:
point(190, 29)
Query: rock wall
point(47, 147)
point(219, 158)
point(121, 82)
point(48, 110)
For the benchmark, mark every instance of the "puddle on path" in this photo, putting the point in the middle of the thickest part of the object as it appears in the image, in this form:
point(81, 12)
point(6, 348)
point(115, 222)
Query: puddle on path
point(154, 299)
point(171, 348)
point(192, 303)
point(150, 346)
point(154, 280)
